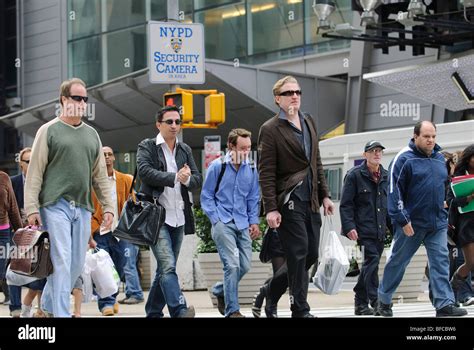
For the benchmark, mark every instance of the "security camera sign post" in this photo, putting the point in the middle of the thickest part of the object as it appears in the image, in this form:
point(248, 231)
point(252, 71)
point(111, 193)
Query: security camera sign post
point(176, 53)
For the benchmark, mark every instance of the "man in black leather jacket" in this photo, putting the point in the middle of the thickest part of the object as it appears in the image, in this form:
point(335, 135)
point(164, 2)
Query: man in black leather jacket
point(168, 171)
point(364, 218)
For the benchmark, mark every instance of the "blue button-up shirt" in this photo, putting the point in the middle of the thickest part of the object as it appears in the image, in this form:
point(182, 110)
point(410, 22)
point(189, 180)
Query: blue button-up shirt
point(237, 197)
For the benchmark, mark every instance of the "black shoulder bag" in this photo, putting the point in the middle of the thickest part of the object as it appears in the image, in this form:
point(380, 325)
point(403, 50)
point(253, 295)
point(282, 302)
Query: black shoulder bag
point(141, 220)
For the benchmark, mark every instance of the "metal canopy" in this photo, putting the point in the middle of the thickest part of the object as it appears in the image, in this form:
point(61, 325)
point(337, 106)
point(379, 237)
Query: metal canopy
point(431, 82)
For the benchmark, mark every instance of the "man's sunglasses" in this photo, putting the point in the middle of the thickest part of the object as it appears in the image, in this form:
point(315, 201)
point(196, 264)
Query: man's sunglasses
point(79, 98)
point(171, 121)
point(290, 93)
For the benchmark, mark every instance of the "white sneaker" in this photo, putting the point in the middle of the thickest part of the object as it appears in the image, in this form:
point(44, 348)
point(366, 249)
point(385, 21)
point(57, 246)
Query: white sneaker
point(26, 311)
point(468, 302)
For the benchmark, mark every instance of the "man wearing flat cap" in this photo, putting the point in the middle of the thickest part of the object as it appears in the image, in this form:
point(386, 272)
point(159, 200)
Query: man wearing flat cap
point(364, 219)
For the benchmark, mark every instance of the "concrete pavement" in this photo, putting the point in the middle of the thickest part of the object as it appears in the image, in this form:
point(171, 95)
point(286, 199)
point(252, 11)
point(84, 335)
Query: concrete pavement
point(340, 305)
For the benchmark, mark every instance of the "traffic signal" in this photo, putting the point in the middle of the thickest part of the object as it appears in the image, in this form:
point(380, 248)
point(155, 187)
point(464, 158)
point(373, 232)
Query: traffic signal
point(215, 108)
point(182, 100)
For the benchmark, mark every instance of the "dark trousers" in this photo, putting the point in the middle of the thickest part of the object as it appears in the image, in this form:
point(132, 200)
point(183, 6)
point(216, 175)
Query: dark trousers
point(368, 283)
point(299, 235)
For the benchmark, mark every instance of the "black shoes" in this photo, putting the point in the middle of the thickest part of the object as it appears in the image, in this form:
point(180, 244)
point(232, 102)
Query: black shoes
point(363, 310)
point(220, 304)
point(384, 310)
point(258, 302)
point(270, 307)
point(451, 311)
point(305, 315)
point(189, 312)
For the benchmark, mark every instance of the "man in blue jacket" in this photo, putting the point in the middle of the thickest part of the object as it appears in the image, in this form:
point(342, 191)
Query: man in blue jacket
point(364, 214)
point(417, 179)
point(229, 198)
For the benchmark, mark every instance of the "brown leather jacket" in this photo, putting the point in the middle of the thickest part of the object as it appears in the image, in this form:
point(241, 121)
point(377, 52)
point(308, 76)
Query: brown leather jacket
point(283, 164)
point(9, 213)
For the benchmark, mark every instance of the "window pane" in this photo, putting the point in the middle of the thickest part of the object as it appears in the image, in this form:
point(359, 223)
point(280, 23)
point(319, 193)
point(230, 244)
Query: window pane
point(186, 6)
point(276, 24)
point(10, 28)
point(125, 13)
point(85, 60)
point(200, 4)
point(158, 8)
point(333, 179)
point(10, 57)
point(224, 30)
point(126, 51)
point(83, 18)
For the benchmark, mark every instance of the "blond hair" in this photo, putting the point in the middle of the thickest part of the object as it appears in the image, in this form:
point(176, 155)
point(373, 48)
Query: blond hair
point(23, 151)
point(234, 135)
point(281, 82)
point(277, 87)
point(65, 89)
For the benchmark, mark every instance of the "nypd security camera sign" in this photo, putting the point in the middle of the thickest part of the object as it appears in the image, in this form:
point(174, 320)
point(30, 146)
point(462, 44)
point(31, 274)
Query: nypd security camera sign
point(176, 53)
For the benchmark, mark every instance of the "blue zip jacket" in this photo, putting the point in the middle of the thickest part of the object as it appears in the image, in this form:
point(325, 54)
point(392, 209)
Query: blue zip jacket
point(417, 189)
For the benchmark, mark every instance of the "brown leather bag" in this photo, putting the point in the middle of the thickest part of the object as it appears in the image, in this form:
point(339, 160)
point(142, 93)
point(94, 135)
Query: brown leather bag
point(31, 254)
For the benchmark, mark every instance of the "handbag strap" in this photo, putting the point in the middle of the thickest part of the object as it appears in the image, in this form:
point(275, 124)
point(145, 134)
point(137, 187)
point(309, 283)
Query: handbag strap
point(133, 181)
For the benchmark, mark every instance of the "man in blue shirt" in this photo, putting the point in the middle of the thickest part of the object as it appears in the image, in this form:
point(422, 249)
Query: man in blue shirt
point(230, 198)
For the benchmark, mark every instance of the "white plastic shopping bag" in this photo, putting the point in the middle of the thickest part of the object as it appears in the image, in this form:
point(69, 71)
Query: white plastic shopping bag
point(103, 273)
point(87, 289)
point(333, 265)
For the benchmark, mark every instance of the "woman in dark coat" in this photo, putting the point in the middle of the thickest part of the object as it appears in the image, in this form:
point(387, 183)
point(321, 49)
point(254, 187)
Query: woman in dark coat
point(277, 256)
point(463, 223)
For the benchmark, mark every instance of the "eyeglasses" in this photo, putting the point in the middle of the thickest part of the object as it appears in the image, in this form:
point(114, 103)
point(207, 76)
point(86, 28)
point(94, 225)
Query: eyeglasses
point(171, 121)
point(78, 98)
point(290, 93)
point(25, 161)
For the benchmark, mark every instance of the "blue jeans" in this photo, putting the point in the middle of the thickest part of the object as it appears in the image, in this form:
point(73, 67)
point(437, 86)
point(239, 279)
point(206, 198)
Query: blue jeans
point(69, 230)
point(5, 244)
point(133, 288)
point(235, 250)
point(15, 291)
point(165, 289)
point(404, 248)
point(116, 251)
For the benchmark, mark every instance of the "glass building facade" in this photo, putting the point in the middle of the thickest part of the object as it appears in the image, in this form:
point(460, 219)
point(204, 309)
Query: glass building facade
point(107, 38)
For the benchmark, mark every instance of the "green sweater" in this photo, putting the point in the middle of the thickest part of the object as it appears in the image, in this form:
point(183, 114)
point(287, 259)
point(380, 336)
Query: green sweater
point(66, 162)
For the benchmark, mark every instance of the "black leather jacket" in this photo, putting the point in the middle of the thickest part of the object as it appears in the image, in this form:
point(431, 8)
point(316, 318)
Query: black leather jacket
point(151, 163)
point(364, 203)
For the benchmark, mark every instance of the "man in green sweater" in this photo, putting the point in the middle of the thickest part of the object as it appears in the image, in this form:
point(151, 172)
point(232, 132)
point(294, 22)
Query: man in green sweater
point(66, 163)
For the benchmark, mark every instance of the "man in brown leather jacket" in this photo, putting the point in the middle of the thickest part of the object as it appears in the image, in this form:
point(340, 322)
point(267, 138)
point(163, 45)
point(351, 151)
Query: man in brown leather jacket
point(293, 189)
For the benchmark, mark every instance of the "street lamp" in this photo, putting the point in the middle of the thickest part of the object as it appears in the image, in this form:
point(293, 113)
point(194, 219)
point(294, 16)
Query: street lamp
point(415, 8)
point(368, 16)
point(323, 9)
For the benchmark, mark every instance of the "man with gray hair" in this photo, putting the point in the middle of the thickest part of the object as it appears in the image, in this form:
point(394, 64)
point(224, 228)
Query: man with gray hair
point(66, 163)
